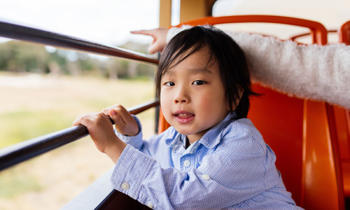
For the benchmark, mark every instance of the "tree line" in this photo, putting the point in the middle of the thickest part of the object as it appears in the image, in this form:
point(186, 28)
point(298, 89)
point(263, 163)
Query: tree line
point(17, 56)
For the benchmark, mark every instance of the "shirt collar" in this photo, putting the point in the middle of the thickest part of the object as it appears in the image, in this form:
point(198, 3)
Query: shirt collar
point(213, 136)
point(210, 139)
point(173, 136)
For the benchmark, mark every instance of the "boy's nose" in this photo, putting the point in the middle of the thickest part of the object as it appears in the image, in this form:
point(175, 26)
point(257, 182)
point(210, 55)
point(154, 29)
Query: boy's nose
point(181, 97)
point(180, 100)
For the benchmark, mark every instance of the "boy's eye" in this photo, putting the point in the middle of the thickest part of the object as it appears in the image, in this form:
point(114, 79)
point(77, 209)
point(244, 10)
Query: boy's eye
point(199, 82)
point(169, 83)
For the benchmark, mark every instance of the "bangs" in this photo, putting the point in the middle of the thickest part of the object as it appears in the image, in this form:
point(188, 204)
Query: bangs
point(179, 53)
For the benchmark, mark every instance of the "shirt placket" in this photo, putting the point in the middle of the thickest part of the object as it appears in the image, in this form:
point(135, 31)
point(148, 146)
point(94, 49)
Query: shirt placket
point(177, 152)
point(186, 162)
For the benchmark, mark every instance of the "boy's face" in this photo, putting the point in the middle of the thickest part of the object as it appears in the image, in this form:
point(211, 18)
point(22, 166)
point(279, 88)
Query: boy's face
point(192, 95)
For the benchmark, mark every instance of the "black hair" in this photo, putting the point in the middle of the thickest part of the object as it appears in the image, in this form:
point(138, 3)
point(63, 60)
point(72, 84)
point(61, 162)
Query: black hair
point(228, 55)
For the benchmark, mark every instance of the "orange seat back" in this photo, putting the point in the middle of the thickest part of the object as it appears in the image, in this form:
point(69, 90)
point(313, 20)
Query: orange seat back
point(342, 122)
point(342, 115)
point(344, 33)
point(280, 120)
point(299, 136)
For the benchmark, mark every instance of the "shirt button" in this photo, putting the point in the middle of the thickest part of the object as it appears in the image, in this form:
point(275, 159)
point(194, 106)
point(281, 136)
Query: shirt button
point(125, 186)
point(187, 163)
point(206, 177)
point(150, 205)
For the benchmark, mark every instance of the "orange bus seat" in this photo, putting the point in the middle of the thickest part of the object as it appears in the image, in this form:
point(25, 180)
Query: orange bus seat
point(295, 37)
point(280, 120)
point(342, 125)
point(297, 130)
point(346, 177)
point(344, 35)
point(342, 120)
point(322, 176)
point(341, 115)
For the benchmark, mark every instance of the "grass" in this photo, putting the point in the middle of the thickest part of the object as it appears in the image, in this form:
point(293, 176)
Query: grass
point(13, 184)
point(20, 125)
point(34, 111)
point(33, 105)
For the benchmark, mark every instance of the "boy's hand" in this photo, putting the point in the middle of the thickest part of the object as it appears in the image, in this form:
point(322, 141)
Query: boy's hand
point(124, 122)
point(159, 38)
point(101, 131)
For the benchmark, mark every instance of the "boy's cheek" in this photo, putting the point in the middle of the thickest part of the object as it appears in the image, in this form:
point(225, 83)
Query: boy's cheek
point(165, 100)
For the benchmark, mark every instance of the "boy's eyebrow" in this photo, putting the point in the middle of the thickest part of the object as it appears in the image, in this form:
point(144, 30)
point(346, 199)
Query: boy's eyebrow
point(200, 70)
point(192, 71)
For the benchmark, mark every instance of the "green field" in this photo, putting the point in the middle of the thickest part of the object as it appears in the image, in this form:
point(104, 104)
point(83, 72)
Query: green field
point(34, 105)
point(48, 104)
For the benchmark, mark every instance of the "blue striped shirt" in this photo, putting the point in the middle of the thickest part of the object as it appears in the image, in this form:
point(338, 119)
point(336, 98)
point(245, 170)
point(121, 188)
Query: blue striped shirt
point(230, 167)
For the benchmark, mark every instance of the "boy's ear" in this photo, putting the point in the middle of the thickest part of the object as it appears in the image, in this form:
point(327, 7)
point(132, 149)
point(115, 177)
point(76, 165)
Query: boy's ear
point(238, 99)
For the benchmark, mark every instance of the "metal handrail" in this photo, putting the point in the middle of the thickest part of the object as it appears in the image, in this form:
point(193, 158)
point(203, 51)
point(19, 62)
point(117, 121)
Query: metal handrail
point(26, 33)
point(31, 148)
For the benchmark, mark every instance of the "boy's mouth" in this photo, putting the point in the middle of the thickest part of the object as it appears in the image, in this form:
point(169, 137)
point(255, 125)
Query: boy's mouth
point(183, 116)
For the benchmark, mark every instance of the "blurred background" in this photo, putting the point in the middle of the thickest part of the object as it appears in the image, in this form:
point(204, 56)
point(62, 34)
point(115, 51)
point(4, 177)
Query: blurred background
point(43, 89)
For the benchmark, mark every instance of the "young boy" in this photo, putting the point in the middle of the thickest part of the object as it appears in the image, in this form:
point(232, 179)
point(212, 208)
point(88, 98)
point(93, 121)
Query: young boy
point(212, 156)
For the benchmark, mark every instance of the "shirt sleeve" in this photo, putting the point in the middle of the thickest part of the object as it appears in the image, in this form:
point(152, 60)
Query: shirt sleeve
point(136, 141)
point(225, 178)
point(306, 71)
point(149, 147)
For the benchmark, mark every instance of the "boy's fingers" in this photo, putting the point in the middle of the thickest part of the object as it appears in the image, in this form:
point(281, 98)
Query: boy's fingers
point(119, 115)
point(159, 38)
point(86, 119)
point(144, 32)
point(107, 113)
point(154, 48)
point(116, 115)
point(106, 110)
point(125, 115)
point(76, 123)
point(79, 120)
point(103, 115)
point(110, 119)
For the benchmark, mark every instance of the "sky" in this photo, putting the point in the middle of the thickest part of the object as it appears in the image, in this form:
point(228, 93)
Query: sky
point(103, 21)
point(109, 21)
point(331, 13)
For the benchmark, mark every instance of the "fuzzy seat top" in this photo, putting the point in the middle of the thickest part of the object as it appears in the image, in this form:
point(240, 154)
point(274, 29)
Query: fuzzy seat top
point(305, 71)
